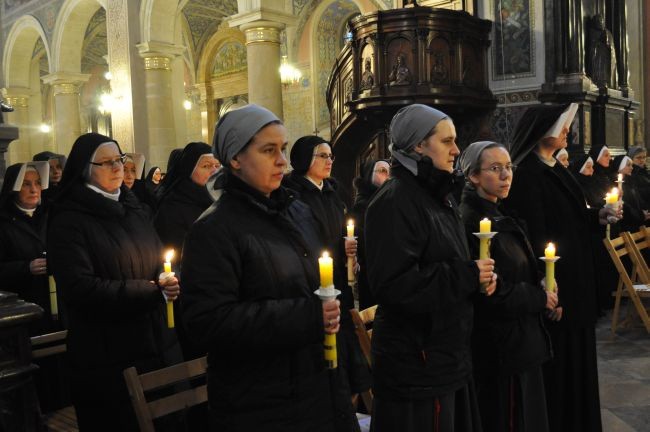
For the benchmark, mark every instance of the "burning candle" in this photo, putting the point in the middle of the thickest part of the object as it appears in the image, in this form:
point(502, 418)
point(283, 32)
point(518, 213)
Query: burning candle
point(549, 254)
point(326, 267)
point(612, 197)
point(619, 181)
point(168, 269)
point(485, 226)
point(350, 228)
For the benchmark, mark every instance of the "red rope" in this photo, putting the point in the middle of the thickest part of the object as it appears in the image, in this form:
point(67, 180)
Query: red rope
point(437, 405)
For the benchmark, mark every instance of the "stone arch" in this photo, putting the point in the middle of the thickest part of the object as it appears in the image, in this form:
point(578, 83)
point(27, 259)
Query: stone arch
point(69, 32)
point(221, 37)
point(158, 17)
point(19, 48)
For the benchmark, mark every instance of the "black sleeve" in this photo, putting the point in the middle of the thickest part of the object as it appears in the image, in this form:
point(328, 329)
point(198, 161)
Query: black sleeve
point(215, 312)
point(397, 277)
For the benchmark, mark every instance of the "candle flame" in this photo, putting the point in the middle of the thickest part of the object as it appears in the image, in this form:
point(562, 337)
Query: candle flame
point(350, 221)
point(169, 255)
point(614, 191)
point(550, 246)
point(325, 254)
point(620, 177)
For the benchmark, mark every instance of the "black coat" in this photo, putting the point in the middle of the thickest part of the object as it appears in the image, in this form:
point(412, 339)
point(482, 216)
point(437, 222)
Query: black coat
point(249, 272)
point(640, 181)
point(423, 279)
point(551, 202)
point(22, 240)
point(600, 184)
point(103, 255)
point(178, 210)
point(509, 336)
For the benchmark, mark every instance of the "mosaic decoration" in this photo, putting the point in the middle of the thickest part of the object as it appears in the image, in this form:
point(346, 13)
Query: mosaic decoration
point(11, 5)
point(41, 55)
point(230, 58)
point(513, 55)
point(329, 31)
point(204, 17)
point(95, 45)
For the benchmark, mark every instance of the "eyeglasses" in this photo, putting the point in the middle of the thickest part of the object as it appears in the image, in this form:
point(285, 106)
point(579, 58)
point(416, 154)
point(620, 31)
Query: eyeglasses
point(325, 156)
point(382, 171)
point(110, 164)
point(499, 169)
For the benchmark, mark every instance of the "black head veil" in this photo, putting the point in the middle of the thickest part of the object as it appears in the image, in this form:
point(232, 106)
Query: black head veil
point(532, 127)
point(184, 165)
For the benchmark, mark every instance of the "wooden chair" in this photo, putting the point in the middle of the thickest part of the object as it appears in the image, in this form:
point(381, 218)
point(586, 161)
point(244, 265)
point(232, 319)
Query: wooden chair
point(636, 243)
point(65, 419)
point(360, 320)
point(170, 377)
point(626, 287)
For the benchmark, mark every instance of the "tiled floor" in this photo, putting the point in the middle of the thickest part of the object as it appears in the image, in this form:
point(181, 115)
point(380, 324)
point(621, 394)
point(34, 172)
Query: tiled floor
point(624, 373)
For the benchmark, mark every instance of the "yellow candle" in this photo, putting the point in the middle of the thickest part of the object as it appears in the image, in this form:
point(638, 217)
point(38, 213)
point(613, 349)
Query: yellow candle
point(54, 305)
point(170, 305)
point(326, 266)
point(549, 253)
point(612, 197)
point(329, 345)
point(485, 226)
point(350, 228)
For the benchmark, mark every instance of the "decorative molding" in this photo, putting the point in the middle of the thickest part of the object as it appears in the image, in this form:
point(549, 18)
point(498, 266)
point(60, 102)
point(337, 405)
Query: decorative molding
point(65, 89)
point(18, 101)
point(262, 35)
point(157, 63)
point(517, 97)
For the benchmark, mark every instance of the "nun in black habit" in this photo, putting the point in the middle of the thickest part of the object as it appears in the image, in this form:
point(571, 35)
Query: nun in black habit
point(184, 195)
point(373, 174)
point(604, 176)
point(509, 341)
point(582, 168)
point(633, 215)
point(424, 280)
point(640, 177)
point(153, 180)
point(106, 259)
point(551, 202)
point(56, 164)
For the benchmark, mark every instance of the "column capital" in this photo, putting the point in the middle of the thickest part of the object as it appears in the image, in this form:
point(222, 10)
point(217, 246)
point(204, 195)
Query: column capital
point(262, 17)
point(65, 82)
point(159, 55)
point(18, 96)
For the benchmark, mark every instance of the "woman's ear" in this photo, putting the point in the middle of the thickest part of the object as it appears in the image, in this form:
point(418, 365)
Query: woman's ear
point(234, 164)
point(473, 178)
point(418, 147)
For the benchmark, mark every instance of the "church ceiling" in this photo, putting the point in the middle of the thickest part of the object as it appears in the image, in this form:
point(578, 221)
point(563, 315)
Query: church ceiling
point(95, 45)
point(203, 18)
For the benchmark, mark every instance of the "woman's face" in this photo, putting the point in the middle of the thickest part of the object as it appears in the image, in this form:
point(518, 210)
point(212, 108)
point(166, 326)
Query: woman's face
point(109, 176)
point(56, 171)
point(604, 159)
point(156, 176)
point(494, 179)
point(205, 167)
point(441, 146)
point(129, 173)
point(30, 192)
point(322, 161)
point(627, 169)
point(588, 170)
point(639, 159)
point(564, 160)
point(380, 173)
point(263, 162)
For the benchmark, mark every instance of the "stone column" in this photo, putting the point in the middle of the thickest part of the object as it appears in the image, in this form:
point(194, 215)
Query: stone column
point(158, 93)
point(206, 109)
point(66, 119)
point(263, 55)
point(20, 150)
point(619, 31)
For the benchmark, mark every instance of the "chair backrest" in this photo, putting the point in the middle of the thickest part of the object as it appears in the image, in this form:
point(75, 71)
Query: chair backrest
point(636, 243)
point(361, 319)
point(617, 249)
point(49, 344)
point(177, 398)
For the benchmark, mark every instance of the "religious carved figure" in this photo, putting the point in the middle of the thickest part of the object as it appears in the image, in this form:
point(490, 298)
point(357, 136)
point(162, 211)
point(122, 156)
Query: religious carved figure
point(439, 73)
point(367, 78)
point(409, 3)
point(4, 107)
point(601, 57)
point(400, 75)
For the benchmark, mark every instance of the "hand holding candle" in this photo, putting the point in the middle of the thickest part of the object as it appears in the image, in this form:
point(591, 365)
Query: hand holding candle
point(167, 267)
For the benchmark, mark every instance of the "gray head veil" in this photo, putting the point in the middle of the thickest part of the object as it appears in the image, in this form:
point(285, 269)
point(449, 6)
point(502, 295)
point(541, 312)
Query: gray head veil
point(408, 128)
point(470, 160)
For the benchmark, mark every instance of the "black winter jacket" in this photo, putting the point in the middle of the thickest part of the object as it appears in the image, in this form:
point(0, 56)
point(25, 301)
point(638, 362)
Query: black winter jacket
point(249, 273)
point(104, 255)
point(509, 336)
point(22, 240)
point(423, 279)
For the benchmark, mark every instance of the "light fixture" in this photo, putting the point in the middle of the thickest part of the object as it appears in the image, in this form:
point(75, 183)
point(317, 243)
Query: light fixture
point(45, 128)
point(187, 105)
point(108, 76)
point(106, 103)
point(289, 74)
